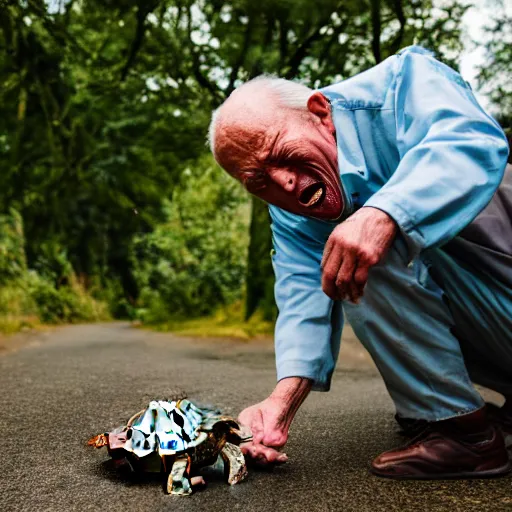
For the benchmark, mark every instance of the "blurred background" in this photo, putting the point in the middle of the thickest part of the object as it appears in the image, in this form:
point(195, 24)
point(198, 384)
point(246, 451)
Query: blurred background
point(110, 204)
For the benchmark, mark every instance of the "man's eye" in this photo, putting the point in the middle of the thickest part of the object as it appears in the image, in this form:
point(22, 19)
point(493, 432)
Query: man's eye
point(255, 183)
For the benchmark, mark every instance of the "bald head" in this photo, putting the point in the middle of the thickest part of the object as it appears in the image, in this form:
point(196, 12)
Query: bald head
point(245, 122)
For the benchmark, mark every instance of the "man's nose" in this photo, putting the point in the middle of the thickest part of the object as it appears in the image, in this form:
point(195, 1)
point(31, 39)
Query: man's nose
point(285, 179)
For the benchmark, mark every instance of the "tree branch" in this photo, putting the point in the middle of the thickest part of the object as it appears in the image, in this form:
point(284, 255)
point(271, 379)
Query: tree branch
point(337, 31)
point(143, 9)
point(376, 29)
point(241, 57)
point(283, 41)
point(397, 41)
point(202, 80)
point(301, 52)
point(257, 67)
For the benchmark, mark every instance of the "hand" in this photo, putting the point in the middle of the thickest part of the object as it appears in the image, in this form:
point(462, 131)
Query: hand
point(270, 420)
point(353, 248)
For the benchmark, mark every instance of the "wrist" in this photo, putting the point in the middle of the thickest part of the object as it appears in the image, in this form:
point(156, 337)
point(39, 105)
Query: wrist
point(291, 392)
point(291, 386)
point(379, 217)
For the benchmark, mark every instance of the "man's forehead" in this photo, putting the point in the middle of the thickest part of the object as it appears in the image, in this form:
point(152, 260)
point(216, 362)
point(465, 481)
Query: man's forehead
point(241, 143)
point(238, 151)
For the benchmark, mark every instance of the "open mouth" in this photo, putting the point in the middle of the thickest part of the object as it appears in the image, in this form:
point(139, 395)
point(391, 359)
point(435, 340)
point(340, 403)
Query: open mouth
point(312, 195)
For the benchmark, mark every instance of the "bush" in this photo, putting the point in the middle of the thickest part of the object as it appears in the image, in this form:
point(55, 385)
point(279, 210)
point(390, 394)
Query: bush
point(196, 261)
point(52, 264)
point(67, 304)
point(17, 308)
point(27, 297)
point(113, 295)
point(13, 262)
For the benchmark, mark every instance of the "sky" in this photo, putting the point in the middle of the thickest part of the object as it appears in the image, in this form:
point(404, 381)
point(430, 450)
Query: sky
point(473, 56)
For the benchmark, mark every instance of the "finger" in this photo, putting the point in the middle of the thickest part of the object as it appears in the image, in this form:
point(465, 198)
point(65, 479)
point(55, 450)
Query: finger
point(257, 427)
point(263, 454)
point(360, 279)
point(273, 456)
point(327, 251)
point(345, 275)
point(355, 289)
point(246, 448)
point(354, 292)
point(330, 272)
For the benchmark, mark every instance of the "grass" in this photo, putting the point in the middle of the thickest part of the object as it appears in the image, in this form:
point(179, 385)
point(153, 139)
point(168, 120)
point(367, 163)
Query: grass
point(9, 323)
point(26, 305)
point(225, 323)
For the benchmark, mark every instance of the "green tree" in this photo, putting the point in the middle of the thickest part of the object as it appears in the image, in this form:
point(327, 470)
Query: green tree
point(495, 75)
point(195, 261)
point(104, 104)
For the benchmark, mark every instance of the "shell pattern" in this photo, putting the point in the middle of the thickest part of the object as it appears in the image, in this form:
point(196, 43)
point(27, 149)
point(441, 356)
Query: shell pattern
point(165, 427)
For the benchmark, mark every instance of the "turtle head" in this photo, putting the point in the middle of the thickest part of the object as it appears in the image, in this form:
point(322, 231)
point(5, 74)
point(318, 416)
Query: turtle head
point(234, 432)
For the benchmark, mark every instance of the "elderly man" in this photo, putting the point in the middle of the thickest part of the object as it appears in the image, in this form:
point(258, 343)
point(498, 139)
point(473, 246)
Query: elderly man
point(386, 205)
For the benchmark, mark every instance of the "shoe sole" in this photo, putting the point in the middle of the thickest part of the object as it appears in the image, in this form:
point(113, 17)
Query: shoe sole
point(489, 473)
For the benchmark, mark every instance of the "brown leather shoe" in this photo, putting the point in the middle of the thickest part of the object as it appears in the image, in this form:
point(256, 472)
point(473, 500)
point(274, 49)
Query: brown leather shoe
point(467, 446)
point(502, 418)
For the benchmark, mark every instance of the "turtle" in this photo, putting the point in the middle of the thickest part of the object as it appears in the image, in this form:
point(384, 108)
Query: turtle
point(178, 438)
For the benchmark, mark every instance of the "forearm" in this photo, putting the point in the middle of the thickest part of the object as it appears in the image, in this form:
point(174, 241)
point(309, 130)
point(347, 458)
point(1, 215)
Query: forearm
point(309, 325)
point(290, 393)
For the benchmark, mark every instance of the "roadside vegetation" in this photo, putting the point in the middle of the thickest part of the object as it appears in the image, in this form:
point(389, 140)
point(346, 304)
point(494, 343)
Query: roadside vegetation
point(52, 294)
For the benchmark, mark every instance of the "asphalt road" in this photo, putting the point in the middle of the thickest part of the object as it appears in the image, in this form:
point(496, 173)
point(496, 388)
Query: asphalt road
point(59, 388)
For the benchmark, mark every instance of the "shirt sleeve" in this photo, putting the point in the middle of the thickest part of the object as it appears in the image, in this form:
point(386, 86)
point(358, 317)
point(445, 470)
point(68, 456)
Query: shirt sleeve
point(309, 324)
point(452, 154)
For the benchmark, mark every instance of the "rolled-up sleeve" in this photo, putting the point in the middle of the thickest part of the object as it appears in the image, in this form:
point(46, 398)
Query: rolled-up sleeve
point(309, 325)
point(452, 154)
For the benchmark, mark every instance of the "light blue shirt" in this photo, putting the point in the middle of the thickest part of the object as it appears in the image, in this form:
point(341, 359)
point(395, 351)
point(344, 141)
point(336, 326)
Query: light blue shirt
point(413, 142)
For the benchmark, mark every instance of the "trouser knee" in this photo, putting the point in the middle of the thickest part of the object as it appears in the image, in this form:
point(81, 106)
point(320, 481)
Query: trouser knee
point(406, 326)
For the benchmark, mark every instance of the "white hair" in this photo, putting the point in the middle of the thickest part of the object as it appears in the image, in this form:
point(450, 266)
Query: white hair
point(291, 95)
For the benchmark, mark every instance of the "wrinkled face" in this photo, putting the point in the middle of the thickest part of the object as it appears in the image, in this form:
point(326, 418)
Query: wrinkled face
point(289, 161)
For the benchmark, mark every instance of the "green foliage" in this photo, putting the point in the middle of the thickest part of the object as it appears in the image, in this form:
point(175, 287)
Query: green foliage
point(225, 322)
point(52, 263)
point(67, 304)
point(105, 105)
point(195, 261)
point(27, 298)
point(13, 263)
point(259, 281)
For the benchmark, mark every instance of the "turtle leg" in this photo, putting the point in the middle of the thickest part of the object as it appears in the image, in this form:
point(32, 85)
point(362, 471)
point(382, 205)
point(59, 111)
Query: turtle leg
point(234, 463)
point(178, 481)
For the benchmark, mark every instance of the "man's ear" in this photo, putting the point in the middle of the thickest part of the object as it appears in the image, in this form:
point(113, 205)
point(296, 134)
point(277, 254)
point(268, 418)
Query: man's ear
point(319, 105)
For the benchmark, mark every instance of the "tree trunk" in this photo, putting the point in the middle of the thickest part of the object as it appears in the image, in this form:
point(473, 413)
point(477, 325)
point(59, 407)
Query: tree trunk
point(260, 276)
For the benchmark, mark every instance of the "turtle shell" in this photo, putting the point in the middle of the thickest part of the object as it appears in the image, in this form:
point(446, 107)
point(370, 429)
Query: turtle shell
point(167, 428)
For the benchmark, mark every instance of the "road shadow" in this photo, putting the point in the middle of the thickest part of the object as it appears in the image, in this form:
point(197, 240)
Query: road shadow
point(122, 474)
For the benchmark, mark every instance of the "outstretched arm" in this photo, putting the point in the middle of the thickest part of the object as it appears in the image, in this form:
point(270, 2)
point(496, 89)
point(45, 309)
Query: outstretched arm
point(308, 332)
